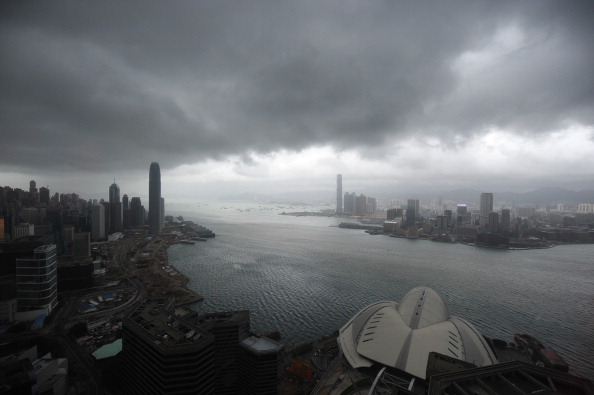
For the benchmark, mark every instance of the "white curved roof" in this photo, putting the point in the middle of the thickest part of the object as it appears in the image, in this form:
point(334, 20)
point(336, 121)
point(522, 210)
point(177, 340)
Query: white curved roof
point(402, 335)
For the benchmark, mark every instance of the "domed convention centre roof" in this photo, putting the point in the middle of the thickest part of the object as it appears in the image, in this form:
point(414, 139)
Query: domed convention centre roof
point(401, 335)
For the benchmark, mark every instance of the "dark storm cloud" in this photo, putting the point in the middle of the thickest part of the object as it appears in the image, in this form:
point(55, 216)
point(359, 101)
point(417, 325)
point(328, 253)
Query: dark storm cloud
point(107, 85)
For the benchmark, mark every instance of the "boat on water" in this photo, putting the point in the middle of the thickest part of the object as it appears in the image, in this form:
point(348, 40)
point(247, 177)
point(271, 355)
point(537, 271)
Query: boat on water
point(187, 242)
point(199, 238)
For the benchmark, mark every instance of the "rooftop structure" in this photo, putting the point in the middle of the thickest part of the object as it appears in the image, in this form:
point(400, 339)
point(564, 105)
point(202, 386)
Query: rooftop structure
point(401, 335)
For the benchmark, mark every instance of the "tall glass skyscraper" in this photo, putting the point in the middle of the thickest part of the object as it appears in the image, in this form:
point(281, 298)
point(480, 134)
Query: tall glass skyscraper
point(155, 199)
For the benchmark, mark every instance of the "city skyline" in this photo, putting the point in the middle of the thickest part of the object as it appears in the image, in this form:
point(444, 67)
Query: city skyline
point(282, 97)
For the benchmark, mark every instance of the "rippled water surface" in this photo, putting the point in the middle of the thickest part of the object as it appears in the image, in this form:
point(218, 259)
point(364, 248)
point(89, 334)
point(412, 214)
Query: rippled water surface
point(305, 277)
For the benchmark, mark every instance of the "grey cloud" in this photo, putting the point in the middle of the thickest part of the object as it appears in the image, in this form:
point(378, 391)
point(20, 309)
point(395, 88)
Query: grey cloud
point(110, 84)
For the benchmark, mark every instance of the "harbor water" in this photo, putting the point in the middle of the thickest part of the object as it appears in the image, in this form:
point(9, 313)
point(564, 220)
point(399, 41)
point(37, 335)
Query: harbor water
point(305, 277)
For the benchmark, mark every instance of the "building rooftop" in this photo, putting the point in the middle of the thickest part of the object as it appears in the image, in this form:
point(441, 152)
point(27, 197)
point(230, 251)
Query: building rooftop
point(261, 344)
point(401, 335)
point(164, 328)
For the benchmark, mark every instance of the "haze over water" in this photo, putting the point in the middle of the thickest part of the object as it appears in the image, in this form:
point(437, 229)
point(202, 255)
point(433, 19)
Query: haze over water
point(305, 277)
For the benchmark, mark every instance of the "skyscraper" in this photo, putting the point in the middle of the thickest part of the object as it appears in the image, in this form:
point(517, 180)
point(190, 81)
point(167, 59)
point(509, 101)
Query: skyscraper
point(338, 193)
point(36, 281)
point(115, 208)
point(486, 207)
point(155, 199)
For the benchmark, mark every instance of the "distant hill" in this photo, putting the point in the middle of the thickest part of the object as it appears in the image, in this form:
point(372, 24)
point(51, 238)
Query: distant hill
point(541, 196)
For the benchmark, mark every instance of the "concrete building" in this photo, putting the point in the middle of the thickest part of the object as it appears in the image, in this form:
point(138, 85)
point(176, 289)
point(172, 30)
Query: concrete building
point(164, 354)
point(486, 207)
point(155, 199)
point(493, 222)
point(338, 193)
point(36, 283)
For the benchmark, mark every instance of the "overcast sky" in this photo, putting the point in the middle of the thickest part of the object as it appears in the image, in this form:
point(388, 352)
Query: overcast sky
point(269, 96)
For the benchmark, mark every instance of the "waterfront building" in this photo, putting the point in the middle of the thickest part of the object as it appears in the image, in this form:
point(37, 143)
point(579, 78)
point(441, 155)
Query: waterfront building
point(349, 203)
point(36, 283)
point(360, 205)
point(414, 204)
point(154, 199)
point(338, 193)
point(260, 366)
point(448, 214)
point(98, 222)
point(486, 207)
point(164, 354)
point(505, 220)
point(493, 222)
point(401, 336)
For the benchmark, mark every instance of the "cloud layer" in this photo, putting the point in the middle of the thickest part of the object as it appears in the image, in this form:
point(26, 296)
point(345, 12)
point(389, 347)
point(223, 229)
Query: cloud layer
point(106, 86)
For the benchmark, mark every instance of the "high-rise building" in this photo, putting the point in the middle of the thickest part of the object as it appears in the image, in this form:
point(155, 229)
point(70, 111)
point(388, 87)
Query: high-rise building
point(136, 213)
point(260, 368)
point(349, 203)
point(338, 193)
point(505, 220)
point(36, 283)
point(414, 204)
point(155, 199)
point(115, 209)
point(164, 354)
point(98, 222)
point(485, 208)
point(54, 224)
point(493, 222)
point(229, 329)
point(361, 205)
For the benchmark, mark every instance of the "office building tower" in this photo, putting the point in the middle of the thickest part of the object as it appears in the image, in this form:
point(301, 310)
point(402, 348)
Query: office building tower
point(125, 202)
point(229, 329)
point(32, 186)
point(485, 208)
point(136, 213)
point(36, 283)
point(162, 210)
point(505, 220)
point(98, 222)
point(338, 193)
point(361, 205)
point(349, 203)
point(493, 222)
point(371, 206)
point(164, 354)
point(54, 225)
point(115, 209)
point(413, 204)
point(448, 214)
point(260, 366)
point(155, 199)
